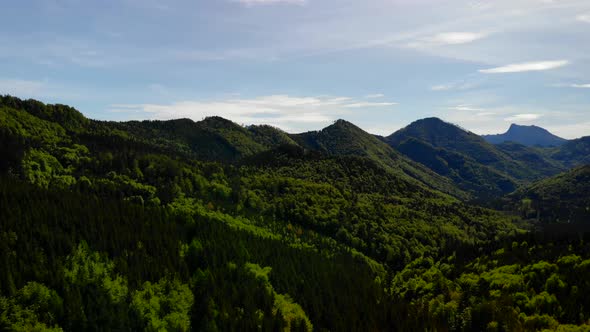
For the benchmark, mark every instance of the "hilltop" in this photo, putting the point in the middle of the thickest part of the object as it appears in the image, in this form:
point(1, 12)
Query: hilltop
point(526, 135)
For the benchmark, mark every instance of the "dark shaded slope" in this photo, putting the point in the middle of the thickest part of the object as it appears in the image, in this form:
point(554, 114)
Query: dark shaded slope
point(534, 158)
point(482, 181)
point(574, 152)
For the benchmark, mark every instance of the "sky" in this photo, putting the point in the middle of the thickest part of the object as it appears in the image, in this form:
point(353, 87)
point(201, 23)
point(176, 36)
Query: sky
point(302, 64)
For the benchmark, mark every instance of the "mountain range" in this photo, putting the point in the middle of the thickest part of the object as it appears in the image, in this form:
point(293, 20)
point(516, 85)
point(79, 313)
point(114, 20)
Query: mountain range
point(209, 225)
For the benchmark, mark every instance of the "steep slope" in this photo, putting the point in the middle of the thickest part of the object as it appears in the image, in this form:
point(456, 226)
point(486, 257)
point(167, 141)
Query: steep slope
point(131, 236)
point(345, 139)
point(573, 153)
point(534, 158)
point(464, 157)
point(526, 135)
point(562, 198)
point(337, 202)
point(482, 181)
point(444, 135)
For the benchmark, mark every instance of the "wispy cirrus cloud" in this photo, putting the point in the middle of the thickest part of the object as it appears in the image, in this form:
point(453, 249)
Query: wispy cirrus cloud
point(283, 111)
point(466, 108)
point(447, 38)
point(583, 18)
point(525, 117)
point(367, 104)
point(526, 66)
point(458, 86)
point(571, 85)
point(455, 38)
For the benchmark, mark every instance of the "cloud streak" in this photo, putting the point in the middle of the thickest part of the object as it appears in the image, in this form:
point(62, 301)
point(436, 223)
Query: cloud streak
point(283, 111)
point(447, 38)
point(526, 117)
point(526, 67)
point(456, 38)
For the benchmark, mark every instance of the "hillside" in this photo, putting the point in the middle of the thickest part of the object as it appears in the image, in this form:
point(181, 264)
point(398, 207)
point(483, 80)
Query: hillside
point(465, 158)
point(146, 226)
point(533, 158)
point(573, 153)
point(481, 181)
point(345, 139)
point(526, 135)
point(265, 234)
point(214, 138)
point(563, 198)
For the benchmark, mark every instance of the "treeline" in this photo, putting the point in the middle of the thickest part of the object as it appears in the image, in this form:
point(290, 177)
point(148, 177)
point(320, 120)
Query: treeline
point(126, 226)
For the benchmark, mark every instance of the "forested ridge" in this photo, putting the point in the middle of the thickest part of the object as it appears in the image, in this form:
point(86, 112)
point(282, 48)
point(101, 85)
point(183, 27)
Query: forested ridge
point(181, 225)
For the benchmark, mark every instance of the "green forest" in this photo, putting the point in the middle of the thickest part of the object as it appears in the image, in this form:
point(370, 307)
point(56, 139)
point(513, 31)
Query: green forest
point(212, 226)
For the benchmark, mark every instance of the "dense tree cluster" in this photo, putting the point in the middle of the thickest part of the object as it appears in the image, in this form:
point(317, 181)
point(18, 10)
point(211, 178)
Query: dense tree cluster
point(178, 225)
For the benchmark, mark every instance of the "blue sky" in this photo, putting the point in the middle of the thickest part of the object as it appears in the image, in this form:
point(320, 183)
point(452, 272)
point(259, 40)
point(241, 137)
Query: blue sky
point(301, 64)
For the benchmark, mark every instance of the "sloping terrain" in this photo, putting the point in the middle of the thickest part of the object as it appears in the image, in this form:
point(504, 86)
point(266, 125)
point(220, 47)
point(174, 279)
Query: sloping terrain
point(182, 225)
point(526, 135)
point(473, 164)
point(562, 198)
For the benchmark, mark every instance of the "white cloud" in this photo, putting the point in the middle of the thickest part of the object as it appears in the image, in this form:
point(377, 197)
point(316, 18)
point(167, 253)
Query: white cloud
point(455, 38)
point(453, 86)
point(366, 104)
point(442, 87)
point(283, 111)
point(571, 85)
point(526, 66)
point(271, 2)
point(375, 95)
point(447, 38)
point(526, 117)
point(18, 87)
point(571, 130)
point(466, 108)
point(583, 18)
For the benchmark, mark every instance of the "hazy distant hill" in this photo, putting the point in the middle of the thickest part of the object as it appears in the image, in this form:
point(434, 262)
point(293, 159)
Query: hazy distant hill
point(526, 135)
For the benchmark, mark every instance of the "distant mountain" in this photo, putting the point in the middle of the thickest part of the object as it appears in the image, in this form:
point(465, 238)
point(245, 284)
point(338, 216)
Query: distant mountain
point(526, 135)
point(562, 198)
point(345, 139)
point(468, 160)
